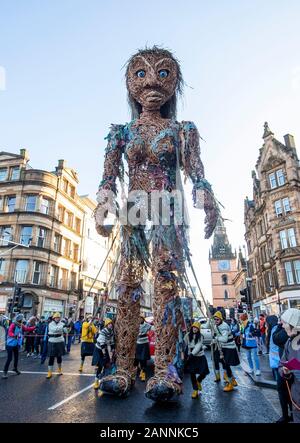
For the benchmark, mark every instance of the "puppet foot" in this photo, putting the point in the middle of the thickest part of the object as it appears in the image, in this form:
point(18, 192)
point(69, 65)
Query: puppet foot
point(118, 384)
point(162, 389)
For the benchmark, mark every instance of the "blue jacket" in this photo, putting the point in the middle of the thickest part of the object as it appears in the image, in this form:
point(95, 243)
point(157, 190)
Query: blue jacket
point(274, 358)
point(249, 340)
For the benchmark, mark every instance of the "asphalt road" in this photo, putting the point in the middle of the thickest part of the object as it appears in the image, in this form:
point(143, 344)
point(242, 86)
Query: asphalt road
point(30, 397)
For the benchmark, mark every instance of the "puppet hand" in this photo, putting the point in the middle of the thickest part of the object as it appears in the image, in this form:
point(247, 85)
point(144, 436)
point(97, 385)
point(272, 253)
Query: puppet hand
point(212, 213)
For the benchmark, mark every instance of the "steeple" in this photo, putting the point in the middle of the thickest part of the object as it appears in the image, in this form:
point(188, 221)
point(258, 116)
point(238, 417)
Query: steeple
point(221, 248)
point(267, 131)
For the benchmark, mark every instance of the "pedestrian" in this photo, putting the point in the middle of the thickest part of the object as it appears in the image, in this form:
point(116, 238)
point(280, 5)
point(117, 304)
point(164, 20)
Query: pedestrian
point(236, 332)
point(280, 337)
point(249, 343)
point(142, 352)
point(30, 337)
point(88, 333)
point(104, 351)
point(196, 363)
point(45, 341)
point(39, 337)
point(56, 343)
point(262, 328)
point(77, 328)
point(273, 350)
point(14, 341)
point(224, 351)
point(289, 366)
point(71, 332)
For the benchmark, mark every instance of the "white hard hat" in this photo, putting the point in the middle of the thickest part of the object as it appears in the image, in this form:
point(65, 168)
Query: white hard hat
point(292, 317)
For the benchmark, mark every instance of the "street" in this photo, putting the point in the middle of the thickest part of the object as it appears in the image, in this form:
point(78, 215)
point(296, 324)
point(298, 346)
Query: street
point(71, 398)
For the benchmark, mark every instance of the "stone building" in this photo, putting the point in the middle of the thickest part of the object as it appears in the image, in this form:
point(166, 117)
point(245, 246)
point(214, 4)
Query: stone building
point(223, 269)
point(239, 280)
point(272, 222)
point(40, 235)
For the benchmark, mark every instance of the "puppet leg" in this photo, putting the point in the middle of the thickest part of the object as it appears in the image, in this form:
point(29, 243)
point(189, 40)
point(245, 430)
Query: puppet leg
point(166, 382)
point(130, 277)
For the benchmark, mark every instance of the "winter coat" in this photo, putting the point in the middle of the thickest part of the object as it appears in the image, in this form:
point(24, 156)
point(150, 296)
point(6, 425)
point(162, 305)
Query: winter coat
point(196, 349)
point(292, 350)
point(15, 333)
point(88, 332)
point(280, 338)
point(224, 336)
point(249, 340)
point(143, 333)
point(106, 339)
point(273, 351)
point(56, 332)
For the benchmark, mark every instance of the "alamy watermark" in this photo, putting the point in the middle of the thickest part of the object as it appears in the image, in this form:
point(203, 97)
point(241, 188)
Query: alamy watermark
point(160, 207)
point(2, 79)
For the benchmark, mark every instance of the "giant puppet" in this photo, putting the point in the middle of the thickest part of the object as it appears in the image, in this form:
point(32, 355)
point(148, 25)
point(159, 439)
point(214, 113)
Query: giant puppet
point(156, 147)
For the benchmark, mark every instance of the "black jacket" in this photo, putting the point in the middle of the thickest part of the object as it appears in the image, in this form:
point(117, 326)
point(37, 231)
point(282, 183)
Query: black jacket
point(280, 338)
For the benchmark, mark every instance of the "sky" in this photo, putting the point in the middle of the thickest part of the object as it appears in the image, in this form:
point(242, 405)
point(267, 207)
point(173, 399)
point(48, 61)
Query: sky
point(62, 85)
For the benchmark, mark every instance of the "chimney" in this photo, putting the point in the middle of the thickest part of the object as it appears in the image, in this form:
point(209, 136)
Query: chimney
point(24, 153)
point(61, 164)
point(289, 141)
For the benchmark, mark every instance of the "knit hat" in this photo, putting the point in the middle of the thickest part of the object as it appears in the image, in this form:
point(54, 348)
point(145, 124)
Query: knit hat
point(219, 315)
point(19, 317)
point(244, 317)
point(292, 317)
point(196, 324)
point(56, 315)
point(107, 321)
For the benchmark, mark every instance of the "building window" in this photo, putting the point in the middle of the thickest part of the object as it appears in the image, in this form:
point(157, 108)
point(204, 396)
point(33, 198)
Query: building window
point(53, 276)
point(226, 296)
point(45, 206)
point(69, 219)
point(63, 283)
point(75, 252)
point(3, 174)
point(66, 247)
point(77, 225)
point(21, 271)
point(57, 242)
point(10, 203)
point(2, 268)
point(37, 271)
point(224, 279)
point(73, 280)
point(276, 179)
point(288, 238)
point(31, 203)
point(41, 237)
point(26, 235)
point(72, 191)
point(282, 206)
point(61, 213)
point(65, 185)
point(292, 272)
point(5, 235)
point(15, 173)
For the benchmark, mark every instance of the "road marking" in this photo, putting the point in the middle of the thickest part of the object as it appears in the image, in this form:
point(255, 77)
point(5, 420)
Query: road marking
point(70, 398)
point(45, 373)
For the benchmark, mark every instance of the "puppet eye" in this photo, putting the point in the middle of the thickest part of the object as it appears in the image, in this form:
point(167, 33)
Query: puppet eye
point(141, 73)
point(163, 73)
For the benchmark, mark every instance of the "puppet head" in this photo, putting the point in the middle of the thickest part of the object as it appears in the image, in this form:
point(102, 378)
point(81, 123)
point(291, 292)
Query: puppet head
point(154, 81)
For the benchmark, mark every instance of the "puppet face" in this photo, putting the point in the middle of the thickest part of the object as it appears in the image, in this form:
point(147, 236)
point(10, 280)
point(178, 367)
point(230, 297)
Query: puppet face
point(152, 80)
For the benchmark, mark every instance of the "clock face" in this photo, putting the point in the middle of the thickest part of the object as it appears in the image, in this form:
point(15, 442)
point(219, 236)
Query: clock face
point(224, 265)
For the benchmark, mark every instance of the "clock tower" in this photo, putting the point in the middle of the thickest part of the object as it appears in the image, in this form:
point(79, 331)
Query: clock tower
point(223, 268)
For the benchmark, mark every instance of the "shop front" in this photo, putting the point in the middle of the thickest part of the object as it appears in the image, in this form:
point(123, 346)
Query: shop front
point(52, 305)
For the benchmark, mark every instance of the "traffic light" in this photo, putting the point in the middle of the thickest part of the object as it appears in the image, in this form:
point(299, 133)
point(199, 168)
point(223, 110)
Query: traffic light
point(246, 296)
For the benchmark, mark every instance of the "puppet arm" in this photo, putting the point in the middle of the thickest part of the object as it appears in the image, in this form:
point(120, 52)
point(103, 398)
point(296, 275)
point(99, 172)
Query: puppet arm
point(107, 192)
point(203, 196)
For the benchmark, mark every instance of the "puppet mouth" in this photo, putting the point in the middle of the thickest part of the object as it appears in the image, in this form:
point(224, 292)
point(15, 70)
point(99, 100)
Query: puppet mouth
point(154, 96)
